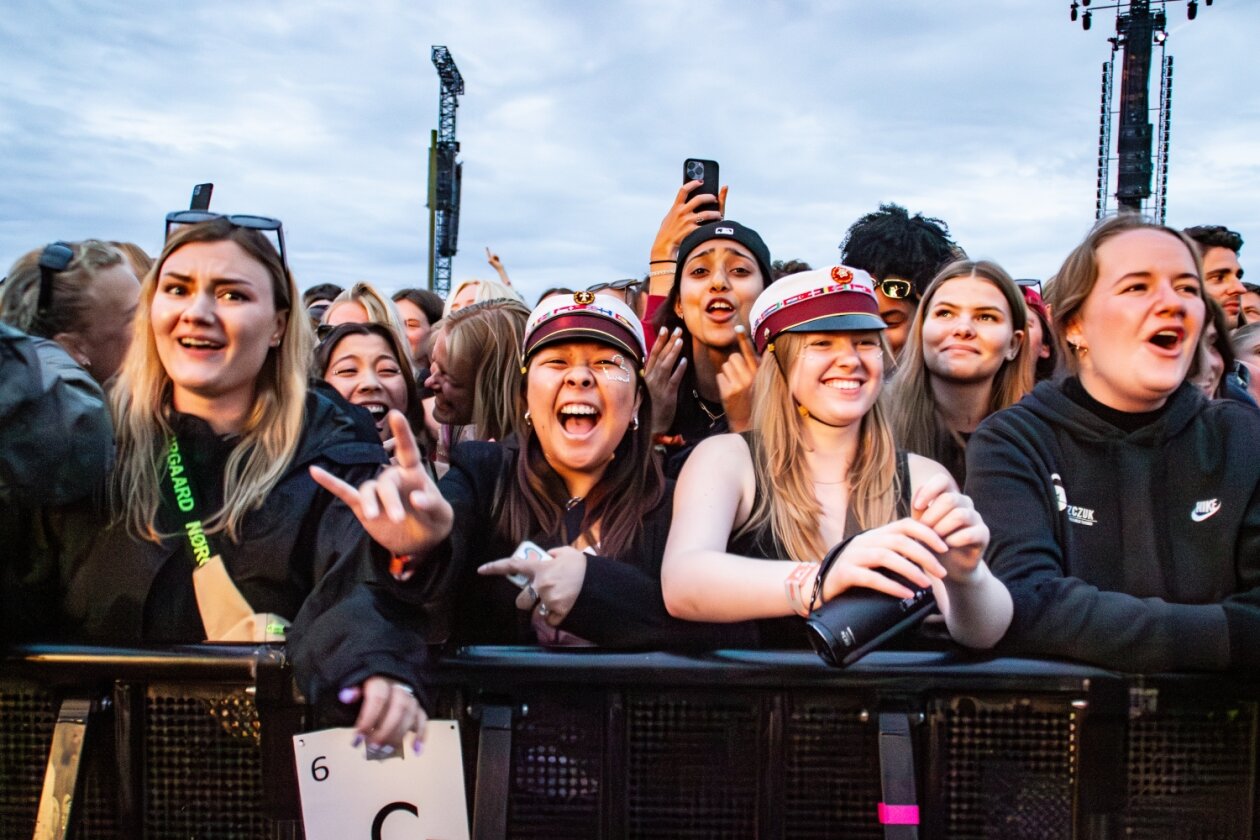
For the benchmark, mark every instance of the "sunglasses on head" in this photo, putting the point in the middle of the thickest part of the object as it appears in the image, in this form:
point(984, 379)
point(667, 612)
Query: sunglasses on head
point(54, 259)
point(896, 288)
point(192, 217)
point(1029, 283)
point(616, 285)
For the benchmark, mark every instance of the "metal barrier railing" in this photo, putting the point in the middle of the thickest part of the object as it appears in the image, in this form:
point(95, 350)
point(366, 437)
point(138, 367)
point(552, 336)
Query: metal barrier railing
point(195, 742)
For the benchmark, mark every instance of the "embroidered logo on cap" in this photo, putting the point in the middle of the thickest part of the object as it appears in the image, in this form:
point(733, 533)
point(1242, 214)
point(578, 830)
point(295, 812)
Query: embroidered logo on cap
point(1205, 509)
point(725, 231)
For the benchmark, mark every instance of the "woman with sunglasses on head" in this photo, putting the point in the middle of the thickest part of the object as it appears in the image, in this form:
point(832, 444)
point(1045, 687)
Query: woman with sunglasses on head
point(965, 358)
point(216, 530)
point(67, 310)
point(581, 480)
point(1124, 510)
point(821, 470)
point(82, 295)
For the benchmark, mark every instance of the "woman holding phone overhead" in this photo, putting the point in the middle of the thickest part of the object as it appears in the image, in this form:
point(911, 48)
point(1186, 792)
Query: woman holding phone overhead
point(820, 471)
point(581, 480)
point(1125, 505)
point(216, 530)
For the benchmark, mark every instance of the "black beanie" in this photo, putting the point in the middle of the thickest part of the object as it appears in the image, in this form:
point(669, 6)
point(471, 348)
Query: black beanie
point(726, 229)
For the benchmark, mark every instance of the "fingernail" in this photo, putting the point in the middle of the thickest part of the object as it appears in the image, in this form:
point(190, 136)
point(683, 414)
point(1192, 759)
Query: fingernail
point(346, 695)
point(739, 328)
point(677, 330)
point(678, 343)
point(417, 746)
point(358, 739)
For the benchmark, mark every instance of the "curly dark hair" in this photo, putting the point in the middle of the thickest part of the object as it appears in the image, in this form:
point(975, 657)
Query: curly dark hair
point(1215, 236)
point(892, 243)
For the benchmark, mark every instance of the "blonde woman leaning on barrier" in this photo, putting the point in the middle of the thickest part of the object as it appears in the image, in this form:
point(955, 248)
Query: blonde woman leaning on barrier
point(819, 470)
point(216, 530)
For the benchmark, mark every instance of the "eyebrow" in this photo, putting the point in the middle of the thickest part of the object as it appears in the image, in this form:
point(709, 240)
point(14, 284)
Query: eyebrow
point(215, 281)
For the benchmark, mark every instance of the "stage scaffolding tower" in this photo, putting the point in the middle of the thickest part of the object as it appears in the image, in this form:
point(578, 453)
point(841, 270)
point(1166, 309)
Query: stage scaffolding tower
point(445, 174)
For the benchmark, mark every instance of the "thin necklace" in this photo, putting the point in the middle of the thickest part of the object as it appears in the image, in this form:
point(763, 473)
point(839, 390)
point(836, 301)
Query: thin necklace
point(828, 483)
point(713, 418)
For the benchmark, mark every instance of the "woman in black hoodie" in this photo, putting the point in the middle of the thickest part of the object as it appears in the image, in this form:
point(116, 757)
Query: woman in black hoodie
point(1124, 506)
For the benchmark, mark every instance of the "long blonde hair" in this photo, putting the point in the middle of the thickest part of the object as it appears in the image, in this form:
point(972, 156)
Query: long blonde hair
point(917, 424)
point(141, 401)
point(483, 341)
point(785, 498)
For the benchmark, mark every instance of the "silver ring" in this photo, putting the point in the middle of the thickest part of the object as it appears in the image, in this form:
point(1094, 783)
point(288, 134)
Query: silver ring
point(406, 688)
point(542, 610)
point(533, 596)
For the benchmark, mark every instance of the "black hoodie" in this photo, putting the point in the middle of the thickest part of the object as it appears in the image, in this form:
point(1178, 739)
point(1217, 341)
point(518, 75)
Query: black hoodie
point(1138, 551)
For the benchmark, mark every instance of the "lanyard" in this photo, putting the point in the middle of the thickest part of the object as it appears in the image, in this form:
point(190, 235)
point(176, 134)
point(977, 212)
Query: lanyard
point(181, 484)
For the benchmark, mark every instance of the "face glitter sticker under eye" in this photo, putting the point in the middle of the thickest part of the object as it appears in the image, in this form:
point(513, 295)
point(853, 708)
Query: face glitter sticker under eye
point(620, 373)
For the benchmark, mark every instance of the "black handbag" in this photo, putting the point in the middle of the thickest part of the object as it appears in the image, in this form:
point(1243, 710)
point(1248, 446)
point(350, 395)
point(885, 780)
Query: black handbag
point(852, 624)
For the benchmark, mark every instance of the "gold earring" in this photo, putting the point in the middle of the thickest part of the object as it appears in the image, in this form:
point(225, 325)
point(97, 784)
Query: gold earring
point(802, 410)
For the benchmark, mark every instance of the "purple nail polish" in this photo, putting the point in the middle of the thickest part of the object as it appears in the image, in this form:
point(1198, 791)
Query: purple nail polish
point(346, 695)
point(358, 739)
point(417, 747)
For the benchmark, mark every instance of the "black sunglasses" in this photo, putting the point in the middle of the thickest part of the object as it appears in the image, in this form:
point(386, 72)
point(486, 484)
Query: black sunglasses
point(192, 217)
point(895, 288)
point(54, 259)
point(618, 285)
point(1029, 283)
point(322, 331)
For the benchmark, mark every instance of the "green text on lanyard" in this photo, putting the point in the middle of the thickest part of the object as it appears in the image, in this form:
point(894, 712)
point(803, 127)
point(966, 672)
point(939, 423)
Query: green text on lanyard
point(197, 541)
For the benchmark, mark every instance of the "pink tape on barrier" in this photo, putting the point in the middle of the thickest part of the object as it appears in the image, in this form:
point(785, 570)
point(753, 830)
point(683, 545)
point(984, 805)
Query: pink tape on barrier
point(898, 814)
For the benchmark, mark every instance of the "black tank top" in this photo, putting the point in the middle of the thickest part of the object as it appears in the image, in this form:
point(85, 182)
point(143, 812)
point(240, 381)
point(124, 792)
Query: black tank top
point(789, 632)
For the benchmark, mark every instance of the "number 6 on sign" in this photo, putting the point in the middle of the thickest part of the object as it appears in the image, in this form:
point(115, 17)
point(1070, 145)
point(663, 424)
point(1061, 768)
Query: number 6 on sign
point(346, 796)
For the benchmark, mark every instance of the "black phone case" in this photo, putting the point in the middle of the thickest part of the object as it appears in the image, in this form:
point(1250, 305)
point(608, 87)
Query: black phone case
point(851, 625)
point(709, 177)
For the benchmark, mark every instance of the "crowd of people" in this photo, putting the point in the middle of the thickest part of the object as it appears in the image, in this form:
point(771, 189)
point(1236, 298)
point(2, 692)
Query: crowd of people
point(194, 450)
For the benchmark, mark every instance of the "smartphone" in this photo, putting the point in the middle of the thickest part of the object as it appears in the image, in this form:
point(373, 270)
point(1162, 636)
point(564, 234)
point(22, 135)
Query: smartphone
point(695, 169)
point(201, 197)
point(527, 551)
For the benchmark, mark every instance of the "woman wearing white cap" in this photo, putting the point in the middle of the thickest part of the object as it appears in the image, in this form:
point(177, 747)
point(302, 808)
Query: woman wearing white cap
point(582, 480)
point(821, 470)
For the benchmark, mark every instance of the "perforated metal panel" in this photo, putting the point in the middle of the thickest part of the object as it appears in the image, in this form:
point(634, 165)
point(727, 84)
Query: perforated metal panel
point(28, 715)
point(557, 765)
point(1005, 768)
point(692, 766)
point(203, 770)
point(1191, 774)
point(832, 770)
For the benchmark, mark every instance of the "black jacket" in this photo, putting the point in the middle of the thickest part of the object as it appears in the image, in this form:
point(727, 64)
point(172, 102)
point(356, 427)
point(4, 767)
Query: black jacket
point(620, 603)
point(1134, 551)
point(302, 554)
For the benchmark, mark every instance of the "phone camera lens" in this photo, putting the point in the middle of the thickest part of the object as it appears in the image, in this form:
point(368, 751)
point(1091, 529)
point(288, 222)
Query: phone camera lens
point(695, 170)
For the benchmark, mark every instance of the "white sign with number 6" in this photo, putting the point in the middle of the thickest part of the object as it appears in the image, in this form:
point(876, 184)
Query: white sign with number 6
point(345, 795)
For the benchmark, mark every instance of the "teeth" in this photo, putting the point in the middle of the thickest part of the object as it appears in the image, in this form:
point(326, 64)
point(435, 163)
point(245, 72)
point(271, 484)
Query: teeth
point(720, 304)
point(578, 409)
point(843, 384)
point(197, 342)
point(376, 409)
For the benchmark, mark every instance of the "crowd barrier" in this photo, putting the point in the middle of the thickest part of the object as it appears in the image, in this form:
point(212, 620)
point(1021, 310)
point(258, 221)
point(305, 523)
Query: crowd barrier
point(195, 742)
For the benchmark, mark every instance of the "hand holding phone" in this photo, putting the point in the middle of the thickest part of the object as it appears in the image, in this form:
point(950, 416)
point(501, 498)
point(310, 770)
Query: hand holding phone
point(705, 171)
point(529, 552)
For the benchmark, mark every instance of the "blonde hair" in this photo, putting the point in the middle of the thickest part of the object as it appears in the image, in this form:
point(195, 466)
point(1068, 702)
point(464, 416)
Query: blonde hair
point(379, 308)
point(785, 498)
point(71, 307)
point(486, 290)
point(141, 401)
point(917, 424)
point(483, 343)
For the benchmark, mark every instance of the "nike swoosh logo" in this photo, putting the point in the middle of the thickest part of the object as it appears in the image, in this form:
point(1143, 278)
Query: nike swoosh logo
point(1199, 517)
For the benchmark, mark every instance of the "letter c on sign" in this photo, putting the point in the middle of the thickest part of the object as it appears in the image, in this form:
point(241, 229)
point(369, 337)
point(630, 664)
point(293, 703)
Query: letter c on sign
point(383, 814)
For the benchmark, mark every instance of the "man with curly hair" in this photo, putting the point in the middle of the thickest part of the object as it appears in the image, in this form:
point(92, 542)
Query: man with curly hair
point(903, 253)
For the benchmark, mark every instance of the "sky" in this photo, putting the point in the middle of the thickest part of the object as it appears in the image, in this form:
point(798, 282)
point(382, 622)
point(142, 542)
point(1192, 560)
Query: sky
point(576, 119)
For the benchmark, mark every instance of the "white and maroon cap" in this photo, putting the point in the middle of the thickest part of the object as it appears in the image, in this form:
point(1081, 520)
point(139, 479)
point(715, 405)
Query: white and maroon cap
point(584, 316)
point(836, 299)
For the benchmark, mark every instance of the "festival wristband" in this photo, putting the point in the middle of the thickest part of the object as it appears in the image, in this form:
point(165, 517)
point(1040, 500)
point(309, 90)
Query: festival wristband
point(794, 587)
